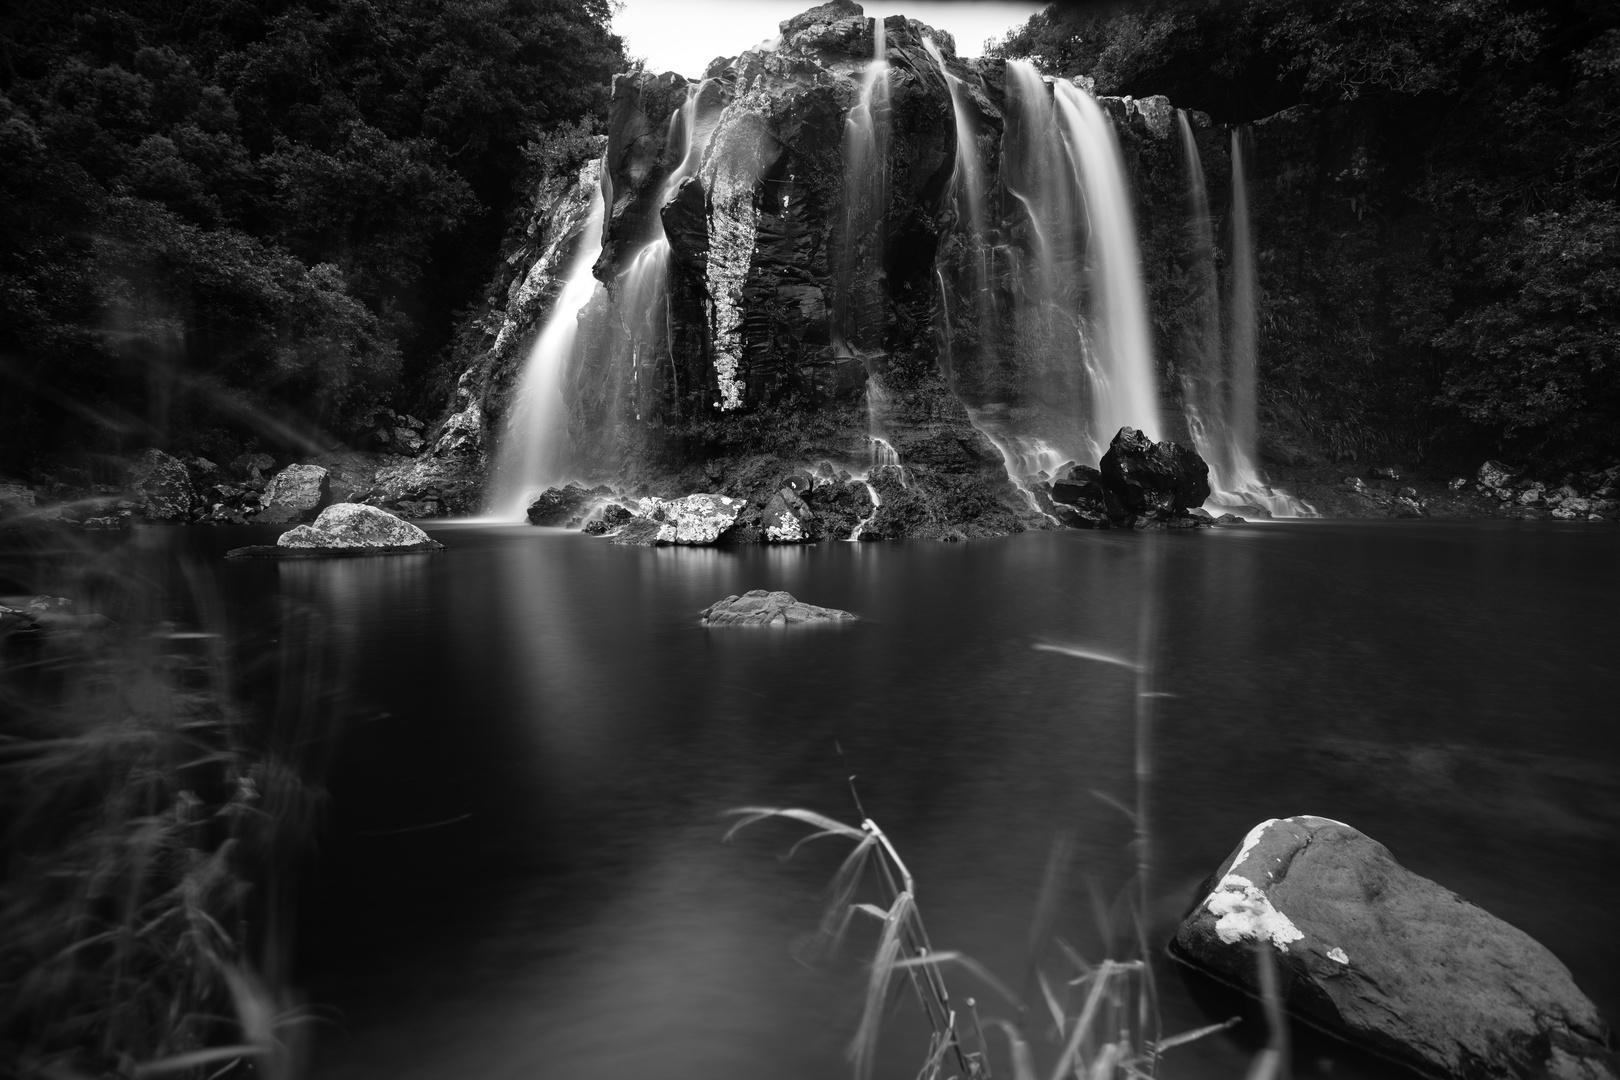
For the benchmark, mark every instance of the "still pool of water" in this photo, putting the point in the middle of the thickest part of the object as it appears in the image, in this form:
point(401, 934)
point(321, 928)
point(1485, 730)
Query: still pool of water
point(523, 871)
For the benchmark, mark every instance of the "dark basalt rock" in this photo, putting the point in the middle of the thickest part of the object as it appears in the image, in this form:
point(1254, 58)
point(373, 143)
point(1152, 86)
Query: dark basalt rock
point(557, 506)
point(1156, 479)
point(761, 608)
point(1081, 500)
point(1391, 961)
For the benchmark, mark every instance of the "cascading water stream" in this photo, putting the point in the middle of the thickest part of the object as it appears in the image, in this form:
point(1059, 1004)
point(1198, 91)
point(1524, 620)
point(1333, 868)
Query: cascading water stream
point(1124, 383)
point(858, 290)
point(532, 452)
point(1234, 476)
point(643, 288)
point(1203, 385)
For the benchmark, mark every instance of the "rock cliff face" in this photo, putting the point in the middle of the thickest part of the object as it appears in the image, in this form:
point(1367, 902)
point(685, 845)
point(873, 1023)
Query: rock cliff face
point(776, 294)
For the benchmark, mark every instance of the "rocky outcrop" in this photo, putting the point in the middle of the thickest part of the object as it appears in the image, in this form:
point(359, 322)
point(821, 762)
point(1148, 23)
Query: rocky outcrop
point(345, 529)
point(162, 485)
point(1391, 961)
point(295, 494)
point(761, 608)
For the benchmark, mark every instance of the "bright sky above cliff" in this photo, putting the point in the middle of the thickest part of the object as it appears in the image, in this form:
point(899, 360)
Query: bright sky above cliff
point(684, 35)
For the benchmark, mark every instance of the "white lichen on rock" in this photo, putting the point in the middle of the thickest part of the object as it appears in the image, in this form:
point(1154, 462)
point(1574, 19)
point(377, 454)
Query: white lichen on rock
point(1242, 909)
point(695, 519)
point(1338, 955)
point(787, 530)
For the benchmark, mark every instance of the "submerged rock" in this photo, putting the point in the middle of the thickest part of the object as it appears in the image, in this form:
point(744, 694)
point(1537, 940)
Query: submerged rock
point(296, 493)
point(761, 608)
point(346, 529)
point(1391, 961)
point(1154, 478)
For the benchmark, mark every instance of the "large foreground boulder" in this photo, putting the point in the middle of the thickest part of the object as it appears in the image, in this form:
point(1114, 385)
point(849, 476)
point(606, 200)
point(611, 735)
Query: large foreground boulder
point(1156, 479)
point(346, 529)
point(1391, 961)
point(761, 608)
point(296, 493)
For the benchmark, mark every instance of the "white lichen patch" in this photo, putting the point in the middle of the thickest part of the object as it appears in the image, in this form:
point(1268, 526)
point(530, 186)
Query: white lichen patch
point(787, 530)
point(1337, 955)
point(1242, 911)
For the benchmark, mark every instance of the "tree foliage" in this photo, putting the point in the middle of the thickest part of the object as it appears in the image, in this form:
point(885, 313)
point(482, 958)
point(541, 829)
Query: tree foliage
point(221, 219)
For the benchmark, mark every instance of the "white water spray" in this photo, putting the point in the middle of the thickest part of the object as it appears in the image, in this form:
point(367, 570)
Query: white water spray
point(533, 451)
point(1124, 386)
point(1231, 434)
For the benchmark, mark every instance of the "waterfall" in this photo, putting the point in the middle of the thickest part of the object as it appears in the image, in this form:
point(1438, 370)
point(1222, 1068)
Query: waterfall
point(1224, 418)
point(1124, 384)
point(857, 307)
point(643, 288)
point(532, 454)
point(859, 291)
point(1077, 344)
point(1203, 385)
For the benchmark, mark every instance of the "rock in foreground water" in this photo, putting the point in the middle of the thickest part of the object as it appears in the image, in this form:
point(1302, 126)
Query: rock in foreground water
point(1392, 961)
point(761, 608)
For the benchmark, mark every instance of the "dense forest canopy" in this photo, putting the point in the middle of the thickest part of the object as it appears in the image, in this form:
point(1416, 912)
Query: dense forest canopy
point(1442, 269)
point(230, 220)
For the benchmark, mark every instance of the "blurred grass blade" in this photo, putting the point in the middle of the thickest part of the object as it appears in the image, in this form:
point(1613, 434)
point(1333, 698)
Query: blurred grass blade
point(1083, 653)
point(1194, 1035)
point(951, 957)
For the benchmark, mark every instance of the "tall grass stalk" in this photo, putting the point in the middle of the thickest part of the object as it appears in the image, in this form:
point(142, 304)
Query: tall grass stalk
point(1102, 1019)
point(147, 820)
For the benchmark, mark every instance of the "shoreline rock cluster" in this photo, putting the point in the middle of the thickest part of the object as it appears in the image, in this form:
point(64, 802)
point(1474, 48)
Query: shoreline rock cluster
point(1142, 484)
point(157, 488)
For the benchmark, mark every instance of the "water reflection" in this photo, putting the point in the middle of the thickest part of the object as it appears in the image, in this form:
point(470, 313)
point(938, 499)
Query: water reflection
point(1444, 688)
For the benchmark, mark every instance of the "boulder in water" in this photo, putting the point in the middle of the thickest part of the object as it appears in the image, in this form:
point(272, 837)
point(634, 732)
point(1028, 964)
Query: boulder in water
point(1391, 961)
point(761, 608)
point(163, 486)
point(1157, 479)
point(346, 529)
point(296, 494)
point(558, 505)
point(697, 519)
